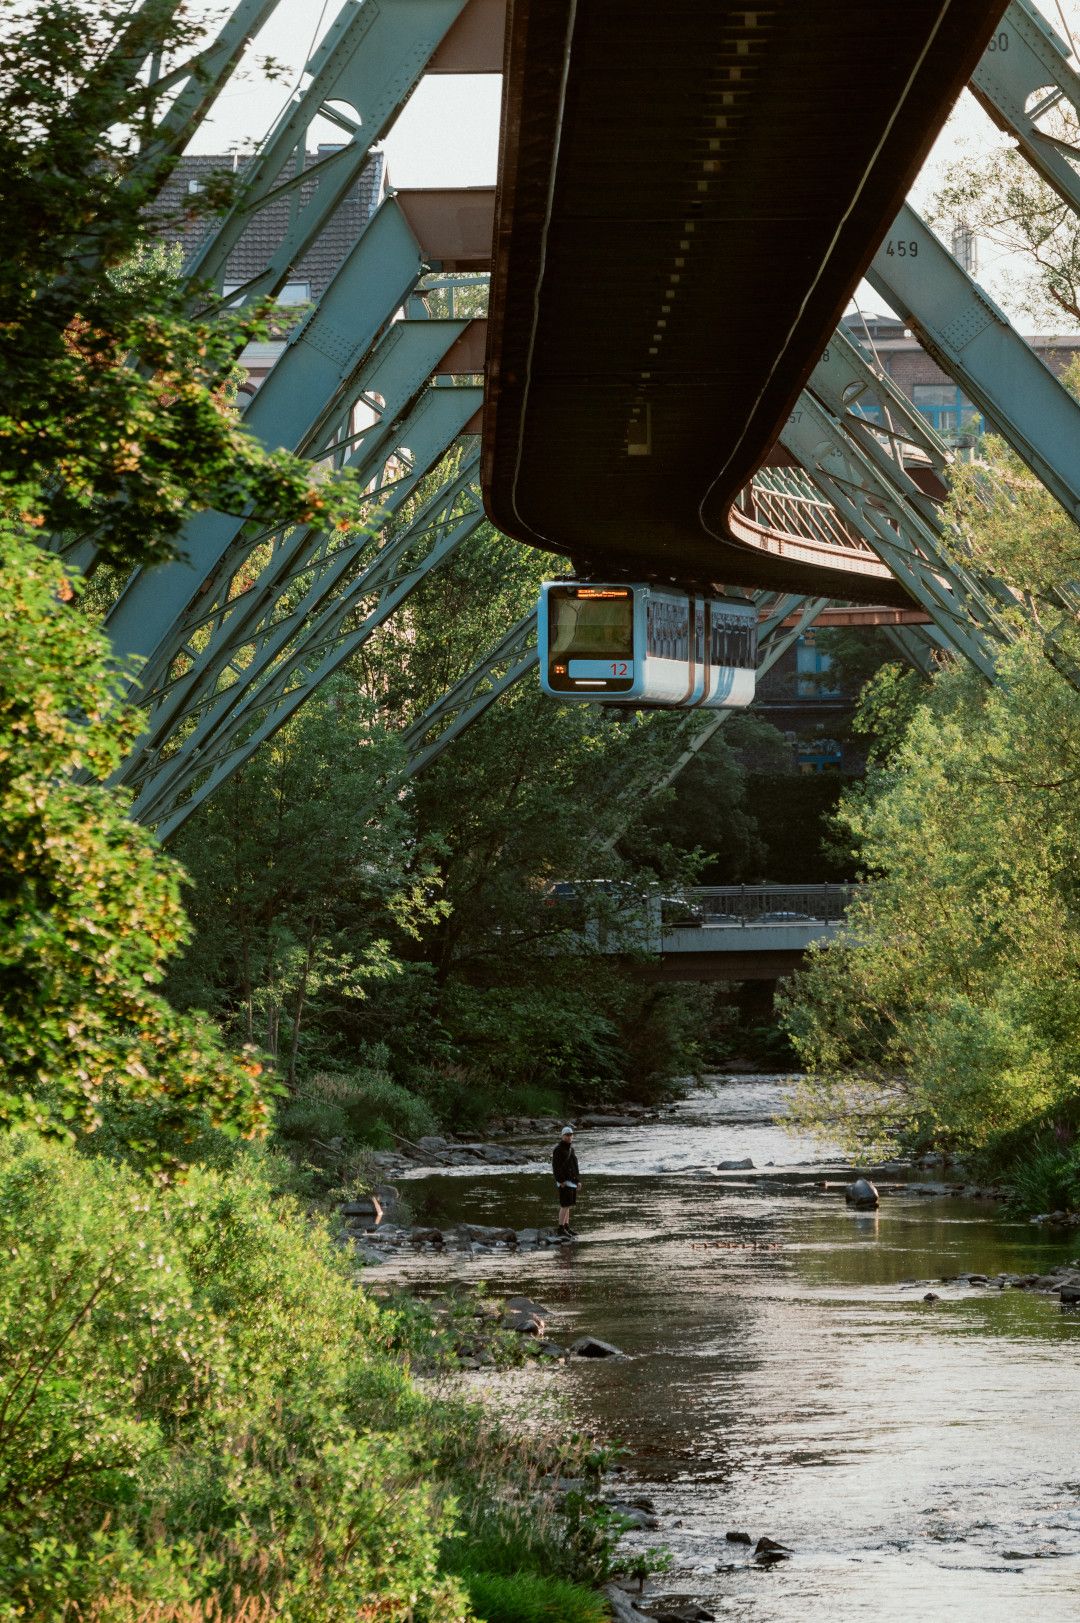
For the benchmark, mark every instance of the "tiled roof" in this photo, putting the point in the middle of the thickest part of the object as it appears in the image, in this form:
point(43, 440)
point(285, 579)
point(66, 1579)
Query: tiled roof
point(177, 222)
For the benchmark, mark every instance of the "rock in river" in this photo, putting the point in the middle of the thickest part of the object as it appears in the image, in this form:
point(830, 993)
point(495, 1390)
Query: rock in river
point(862, 1195)
point(525, 1304)
point(592, 1347)
point(736, 1166)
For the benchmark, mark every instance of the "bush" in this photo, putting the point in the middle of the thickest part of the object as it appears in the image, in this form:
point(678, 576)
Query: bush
point(195, 1390)
point(334, 1115)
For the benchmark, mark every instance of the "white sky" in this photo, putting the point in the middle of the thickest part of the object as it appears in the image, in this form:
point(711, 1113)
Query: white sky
point(448, 133)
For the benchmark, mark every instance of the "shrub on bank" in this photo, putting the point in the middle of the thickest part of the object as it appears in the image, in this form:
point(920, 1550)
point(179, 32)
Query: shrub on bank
point(528, 1597)
point(203, 1416)
point(196, 1403)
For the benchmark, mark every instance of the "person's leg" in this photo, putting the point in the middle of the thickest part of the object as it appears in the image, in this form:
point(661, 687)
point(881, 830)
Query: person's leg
point(564, 1217)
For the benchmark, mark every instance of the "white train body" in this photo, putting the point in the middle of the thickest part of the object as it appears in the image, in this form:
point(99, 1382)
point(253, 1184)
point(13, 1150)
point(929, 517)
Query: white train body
point(642, 645)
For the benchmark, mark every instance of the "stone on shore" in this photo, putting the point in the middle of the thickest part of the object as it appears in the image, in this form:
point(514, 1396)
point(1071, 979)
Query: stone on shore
point(623, 1607)
point(525, 1324)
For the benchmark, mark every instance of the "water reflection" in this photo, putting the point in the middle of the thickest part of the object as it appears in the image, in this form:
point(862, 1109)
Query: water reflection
point(788, 1377)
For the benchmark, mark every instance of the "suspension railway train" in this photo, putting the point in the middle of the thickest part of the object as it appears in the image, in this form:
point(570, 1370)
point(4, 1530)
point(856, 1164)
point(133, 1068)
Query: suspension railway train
point(644, 645)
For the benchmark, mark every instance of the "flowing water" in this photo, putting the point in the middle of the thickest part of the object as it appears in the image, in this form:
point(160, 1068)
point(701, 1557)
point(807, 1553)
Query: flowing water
point(786, 1377)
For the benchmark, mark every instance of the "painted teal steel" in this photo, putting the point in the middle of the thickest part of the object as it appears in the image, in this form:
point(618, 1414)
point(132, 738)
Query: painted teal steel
point(974, 341)
point(1029, 56)
point(370, 61)
point(299, 650)
point(316, 367)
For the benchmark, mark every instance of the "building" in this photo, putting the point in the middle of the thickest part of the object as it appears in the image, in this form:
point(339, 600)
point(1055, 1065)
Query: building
point(180, 221)
point(917, 375)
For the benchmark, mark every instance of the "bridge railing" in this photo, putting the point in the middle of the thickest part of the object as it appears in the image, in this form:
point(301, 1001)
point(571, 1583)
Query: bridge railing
point(718, 905)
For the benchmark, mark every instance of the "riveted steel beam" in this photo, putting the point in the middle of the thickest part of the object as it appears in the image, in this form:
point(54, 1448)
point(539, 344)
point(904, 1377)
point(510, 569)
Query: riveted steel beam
point(318, 364)
point(975, 343)
point(359, 78)
point(197, 84)
point(283, 661)
point(874, 500)
point(394, 374)
point(448, 717)
point(1023, 76)
point(915, 649)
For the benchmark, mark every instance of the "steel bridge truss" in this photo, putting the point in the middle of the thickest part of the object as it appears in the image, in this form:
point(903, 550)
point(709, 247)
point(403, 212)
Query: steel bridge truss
point(236, 633)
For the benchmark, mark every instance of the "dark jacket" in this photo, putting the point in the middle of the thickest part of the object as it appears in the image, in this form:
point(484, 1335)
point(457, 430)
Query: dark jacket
point(564, 1163)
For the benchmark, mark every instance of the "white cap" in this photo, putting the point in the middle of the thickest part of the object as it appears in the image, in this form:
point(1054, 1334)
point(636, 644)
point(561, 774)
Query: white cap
point(566, 1130)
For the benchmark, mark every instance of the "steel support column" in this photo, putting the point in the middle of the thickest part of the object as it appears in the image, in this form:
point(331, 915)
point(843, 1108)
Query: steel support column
point(359, 78)
point(306, 645)
point(1029, 57)
point(397, 369)
point(875, 503)
point(316, 367)
point(975, 343)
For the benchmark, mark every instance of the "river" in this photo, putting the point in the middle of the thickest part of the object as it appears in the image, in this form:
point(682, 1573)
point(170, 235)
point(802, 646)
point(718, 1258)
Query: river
point(786, 1376)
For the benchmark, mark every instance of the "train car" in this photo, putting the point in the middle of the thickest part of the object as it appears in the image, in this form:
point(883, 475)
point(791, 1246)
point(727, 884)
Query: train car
point(643, 645)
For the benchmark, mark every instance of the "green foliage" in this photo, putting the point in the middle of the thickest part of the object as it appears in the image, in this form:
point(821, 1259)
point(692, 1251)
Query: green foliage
point(950, 1012)
point(1044, 1178)
point(704, 815)
point(854, 653)
point(334, 1116)
point(793, 814)
point(197, 1393)
point(302, 895)
point(89, 908)
point(527, 1597)
point(887, 706)
point(121, 451)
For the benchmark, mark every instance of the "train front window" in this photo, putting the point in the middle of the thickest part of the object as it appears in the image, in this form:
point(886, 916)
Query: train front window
point(591, 623)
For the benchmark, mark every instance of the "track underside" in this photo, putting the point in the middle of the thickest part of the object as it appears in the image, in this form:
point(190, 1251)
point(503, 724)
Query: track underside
point(688, 195)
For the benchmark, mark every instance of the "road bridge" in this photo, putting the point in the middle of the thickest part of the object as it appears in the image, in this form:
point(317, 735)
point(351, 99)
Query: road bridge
point(742, 932)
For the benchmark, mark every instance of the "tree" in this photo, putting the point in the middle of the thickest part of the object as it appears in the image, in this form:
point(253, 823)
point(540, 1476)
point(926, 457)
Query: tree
point(89, 907)
point(949, 1011)
point(114, 404)
point(1001, 198)
point(305, 881)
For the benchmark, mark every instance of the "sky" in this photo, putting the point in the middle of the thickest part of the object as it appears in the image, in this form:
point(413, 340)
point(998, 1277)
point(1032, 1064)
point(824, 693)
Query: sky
point(448, 132)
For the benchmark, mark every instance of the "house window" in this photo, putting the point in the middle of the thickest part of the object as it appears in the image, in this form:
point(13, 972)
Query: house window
point(811, 663)
point(945, 407)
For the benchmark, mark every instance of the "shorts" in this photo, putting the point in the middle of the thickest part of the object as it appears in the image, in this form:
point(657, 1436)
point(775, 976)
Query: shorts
point(567, 1194)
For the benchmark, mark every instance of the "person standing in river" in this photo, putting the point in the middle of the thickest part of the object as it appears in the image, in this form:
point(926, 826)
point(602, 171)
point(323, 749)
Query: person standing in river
point(567, 1178)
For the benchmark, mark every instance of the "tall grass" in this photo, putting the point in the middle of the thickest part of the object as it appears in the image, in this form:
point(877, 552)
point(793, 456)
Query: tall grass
point(528, 1597)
